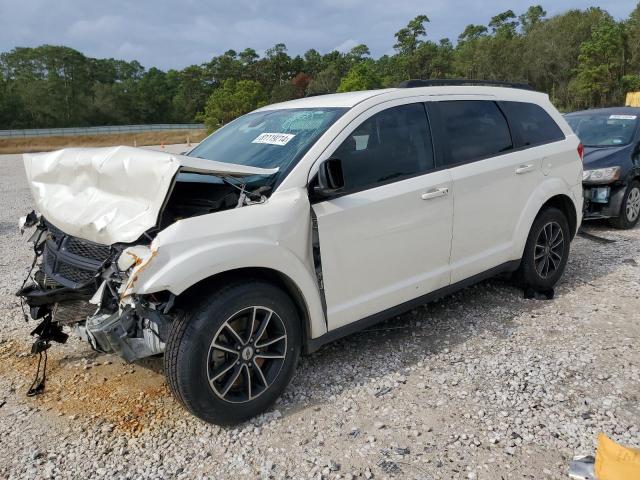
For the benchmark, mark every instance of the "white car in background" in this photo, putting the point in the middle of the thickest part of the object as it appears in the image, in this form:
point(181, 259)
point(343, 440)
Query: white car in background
point(297, 224)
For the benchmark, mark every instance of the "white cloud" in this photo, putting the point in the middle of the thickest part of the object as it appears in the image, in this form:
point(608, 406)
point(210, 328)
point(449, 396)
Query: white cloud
point(105, 25)
point(347, 45)
point(173, 34)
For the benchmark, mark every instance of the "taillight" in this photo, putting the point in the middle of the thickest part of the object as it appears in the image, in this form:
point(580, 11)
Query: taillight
point(581, 151)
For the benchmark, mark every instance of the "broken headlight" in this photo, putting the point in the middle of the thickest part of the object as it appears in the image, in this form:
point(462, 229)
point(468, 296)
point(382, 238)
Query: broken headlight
point(132, 256)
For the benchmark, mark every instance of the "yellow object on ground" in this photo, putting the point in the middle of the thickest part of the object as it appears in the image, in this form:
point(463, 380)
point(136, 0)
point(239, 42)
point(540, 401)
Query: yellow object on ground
point(633, 99)
point(615, 462)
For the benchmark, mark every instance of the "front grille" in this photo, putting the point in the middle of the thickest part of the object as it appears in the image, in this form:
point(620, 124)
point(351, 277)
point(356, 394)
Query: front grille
point(74, 274)
point(56, 234)
point(73, 311)
point(70, 261)
point(45, 281)
point(87, 250)
point(48, 260)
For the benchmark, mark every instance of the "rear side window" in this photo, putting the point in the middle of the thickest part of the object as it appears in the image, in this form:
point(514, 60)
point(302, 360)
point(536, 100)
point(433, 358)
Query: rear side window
point(391, 145)
point(532, 125)
point(472, 130)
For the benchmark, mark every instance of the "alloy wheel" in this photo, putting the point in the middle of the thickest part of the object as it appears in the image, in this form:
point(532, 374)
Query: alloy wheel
point(549, 250)
point(633, 204)
point(246, 354)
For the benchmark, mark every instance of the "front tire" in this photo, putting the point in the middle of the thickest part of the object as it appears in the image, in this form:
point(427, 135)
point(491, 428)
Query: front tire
point(546, 251)
point(630, 208)
point(233, 355)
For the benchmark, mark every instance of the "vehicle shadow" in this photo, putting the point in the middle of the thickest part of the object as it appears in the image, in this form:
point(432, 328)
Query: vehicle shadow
point(490, 307)
point(494, 307)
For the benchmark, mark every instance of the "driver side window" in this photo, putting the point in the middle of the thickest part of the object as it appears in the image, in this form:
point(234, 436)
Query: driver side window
point(389, 146)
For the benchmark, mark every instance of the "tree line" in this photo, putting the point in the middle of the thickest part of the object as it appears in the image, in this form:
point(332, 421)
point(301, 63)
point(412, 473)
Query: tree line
point(581, 58)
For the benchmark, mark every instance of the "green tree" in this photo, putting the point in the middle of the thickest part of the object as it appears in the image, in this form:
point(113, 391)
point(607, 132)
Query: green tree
point(279, 64)
point(601, 66)
point(313, 63)
point(362, 76)
point(633, 40)
point(191, 94)
point(358, 53)
point(551, 49)
point(409, 38)
point(326, 81)
point(582, 58)
point(504, 24)
point(233, 99)
point(532, 17)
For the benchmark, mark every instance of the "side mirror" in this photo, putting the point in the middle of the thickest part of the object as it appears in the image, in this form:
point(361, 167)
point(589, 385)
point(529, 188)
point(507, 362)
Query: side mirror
point(330, 178)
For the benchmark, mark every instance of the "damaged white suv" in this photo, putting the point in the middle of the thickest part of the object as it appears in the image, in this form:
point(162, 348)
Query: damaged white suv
point(295, 225)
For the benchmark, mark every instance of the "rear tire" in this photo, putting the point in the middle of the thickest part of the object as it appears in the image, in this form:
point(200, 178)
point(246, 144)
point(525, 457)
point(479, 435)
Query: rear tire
point(233, 355)
point(629, 209)
point(546, 251)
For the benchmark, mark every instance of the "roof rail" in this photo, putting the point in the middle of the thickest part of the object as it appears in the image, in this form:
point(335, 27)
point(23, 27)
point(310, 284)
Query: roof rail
point(442, 82)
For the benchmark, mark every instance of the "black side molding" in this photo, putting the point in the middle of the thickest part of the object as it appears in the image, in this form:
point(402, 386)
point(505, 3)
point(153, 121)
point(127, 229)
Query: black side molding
point(314, 344)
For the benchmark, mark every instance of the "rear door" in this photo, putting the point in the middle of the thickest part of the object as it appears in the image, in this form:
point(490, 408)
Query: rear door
point(492, 182)
point(387, 238)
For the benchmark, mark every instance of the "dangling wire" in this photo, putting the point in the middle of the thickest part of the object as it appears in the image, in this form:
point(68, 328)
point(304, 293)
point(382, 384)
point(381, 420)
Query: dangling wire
point(36, 255)
point(37, 386)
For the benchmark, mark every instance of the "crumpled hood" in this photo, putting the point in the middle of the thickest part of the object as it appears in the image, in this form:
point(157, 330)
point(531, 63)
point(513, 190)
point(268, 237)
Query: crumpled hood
point(113, 194)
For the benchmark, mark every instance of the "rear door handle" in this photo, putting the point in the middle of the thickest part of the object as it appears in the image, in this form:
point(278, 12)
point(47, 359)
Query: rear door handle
point(435, 193)
point(525, 168)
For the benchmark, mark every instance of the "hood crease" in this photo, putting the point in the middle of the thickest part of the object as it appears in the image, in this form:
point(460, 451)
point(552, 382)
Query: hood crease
point(113, 194)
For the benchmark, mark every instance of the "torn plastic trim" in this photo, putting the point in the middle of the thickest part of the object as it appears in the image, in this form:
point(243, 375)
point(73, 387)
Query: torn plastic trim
point(141, 258)
point(133, 333)
point(134, 328)
point(28, 221)
point(132, 256)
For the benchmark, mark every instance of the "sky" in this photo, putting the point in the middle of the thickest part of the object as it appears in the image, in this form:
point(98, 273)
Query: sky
point(174, 34)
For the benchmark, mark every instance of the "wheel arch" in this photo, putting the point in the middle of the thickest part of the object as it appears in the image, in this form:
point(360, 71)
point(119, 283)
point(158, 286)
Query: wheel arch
point(272, 276)
point(563, 203)
point(552, 193)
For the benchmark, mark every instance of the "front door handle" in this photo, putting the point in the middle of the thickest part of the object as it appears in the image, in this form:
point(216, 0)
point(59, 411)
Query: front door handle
point(525, 168)
point(435, 193)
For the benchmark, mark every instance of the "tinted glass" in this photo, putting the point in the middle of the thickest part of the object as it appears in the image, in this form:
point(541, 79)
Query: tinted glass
point(392, 144)
point(533, 124)
point(273, 138)
point(473, 129)
point(603, 129)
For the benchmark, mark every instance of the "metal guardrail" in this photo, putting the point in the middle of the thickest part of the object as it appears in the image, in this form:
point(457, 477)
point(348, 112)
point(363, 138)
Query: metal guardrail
point(51, 132)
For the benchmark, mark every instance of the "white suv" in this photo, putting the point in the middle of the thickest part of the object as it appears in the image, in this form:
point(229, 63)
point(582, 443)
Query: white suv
point(297, 224)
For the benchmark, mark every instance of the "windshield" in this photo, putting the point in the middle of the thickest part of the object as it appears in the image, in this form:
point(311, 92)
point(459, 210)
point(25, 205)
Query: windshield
point(268, 139)
point(603, 129)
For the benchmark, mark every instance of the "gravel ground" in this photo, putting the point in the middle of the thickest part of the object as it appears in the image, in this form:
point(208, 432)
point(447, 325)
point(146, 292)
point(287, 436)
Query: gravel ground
point(483, 384)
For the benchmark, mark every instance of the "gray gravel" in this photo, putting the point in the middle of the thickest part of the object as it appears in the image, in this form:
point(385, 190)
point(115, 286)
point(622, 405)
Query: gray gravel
point(483, 384)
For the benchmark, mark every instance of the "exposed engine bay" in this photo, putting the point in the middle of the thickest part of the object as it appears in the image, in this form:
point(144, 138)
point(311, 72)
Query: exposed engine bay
point(83, 284)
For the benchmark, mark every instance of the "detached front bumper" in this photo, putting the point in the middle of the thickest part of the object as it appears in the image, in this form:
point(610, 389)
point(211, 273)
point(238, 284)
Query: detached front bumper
point(78, 284)
point(602, 201)
point(133, 333)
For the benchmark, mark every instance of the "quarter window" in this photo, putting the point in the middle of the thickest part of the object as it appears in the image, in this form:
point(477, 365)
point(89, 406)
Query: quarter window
point(390, 145)
point(472, 130)
point(532, 124)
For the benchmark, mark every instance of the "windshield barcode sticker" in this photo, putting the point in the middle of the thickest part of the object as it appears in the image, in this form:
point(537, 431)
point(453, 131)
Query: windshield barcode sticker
point(274, 138)
point(623, 117)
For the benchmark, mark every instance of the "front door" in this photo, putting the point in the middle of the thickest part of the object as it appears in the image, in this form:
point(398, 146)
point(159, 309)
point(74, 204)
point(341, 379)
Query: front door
point(387, 238)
